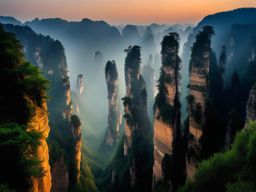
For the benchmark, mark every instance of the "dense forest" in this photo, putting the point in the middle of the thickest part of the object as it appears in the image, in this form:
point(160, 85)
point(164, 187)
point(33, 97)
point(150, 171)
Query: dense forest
point(90, 107)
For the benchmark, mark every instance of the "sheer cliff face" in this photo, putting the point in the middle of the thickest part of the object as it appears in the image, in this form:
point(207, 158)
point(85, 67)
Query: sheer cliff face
point(198, 91)
point(251, 105)
point(59, 170)
point(198, 87)
point(114, 115)
point(39, 123)
point(164, 128)
point(49, 56)
point(137, 139)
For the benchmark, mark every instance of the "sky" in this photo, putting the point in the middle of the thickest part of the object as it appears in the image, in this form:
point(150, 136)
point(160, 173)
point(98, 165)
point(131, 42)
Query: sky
point(121, 11)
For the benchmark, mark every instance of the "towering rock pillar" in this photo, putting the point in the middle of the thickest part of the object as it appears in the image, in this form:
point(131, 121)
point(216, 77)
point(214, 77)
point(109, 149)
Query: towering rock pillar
point(114, 115)
point(80, 84)
point(198, 93)
point(80, 89)
point(164, 109)
point(135, 93)
point(138, 131)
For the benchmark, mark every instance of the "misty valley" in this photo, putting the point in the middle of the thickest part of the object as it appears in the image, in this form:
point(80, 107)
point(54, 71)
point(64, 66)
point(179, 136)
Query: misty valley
point(86, 106)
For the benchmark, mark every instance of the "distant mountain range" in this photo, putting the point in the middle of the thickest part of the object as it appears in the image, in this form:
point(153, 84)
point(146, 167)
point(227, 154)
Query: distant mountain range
point(9, 20)
point(82, 39)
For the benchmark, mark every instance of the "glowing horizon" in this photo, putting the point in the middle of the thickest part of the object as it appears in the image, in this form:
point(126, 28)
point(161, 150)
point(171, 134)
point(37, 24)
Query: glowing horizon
point(120, 11)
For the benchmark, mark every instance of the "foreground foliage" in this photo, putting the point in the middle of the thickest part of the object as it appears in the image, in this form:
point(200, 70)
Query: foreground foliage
point(233, 170)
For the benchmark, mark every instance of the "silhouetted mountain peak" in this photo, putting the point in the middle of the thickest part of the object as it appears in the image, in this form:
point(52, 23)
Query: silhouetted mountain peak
point(86, 20)
point(131, 34)
point(9, 20)
point(242, 15)
point(47, 20)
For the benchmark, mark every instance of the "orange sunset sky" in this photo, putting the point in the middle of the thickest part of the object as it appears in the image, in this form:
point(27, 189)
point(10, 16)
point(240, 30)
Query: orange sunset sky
point(121, 11)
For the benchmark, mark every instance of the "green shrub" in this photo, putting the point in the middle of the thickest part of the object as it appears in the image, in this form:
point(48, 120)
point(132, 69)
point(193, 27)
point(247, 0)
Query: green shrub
point(233, 170)
point(16, 164)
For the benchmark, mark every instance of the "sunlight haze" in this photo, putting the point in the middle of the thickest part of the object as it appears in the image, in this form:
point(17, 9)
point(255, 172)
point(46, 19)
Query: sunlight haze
point(121, 11)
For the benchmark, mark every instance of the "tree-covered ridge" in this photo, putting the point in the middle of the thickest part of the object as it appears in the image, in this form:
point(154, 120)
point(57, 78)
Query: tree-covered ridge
point(230, 171)
point(23, 91)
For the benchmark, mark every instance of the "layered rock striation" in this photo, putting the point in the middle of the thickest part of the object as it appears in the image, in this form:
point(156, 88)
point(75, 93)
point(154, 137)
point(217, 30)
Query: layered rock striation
point(198, 93)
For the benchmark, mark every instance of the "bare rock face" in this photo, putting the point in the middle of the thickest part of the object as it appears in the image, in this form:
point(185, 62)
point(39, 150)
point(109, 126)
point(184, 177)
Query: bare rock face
point(114, 114)
point(163, 138)
point(251, 105)
point(164, 126)
point(68, 104)
point(39, 123)
point(197, 91)
point(137, 126)
point(60, 170)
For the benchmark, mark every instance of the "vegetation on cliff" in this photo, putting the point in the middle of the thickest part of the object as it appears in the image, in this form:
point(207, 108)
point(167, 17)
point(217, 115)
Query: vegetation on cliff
point(23, 90)
point(49, 58)
point(170, 47)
